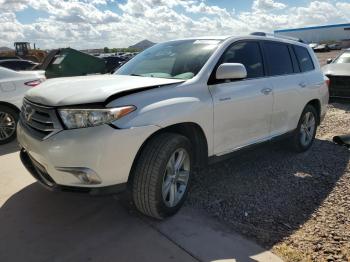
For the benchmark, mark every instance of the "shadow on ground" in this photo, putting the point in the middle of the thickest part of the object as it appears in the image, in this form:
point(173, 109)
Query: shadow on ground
point(340, 103)
point(37, 225)
point(268, 193)
point(9, 148)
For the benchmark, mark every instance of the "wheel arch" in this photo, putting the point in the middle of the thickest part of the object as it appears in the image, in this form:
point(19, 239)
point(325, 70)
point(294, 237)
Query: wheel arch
point(12, 106)
point(317, 105)
point(192, 131)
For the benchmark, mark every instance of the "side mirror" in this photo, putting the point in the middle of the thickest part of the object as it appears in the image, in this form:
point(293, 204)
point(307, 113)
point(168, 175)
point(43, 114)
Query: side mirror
point(231, 71)
point(329, 60)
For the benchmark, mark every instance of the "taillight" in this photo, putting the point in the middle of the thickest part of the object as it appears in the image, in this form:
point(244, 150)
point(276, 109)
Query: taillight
point(33, 82)
point(327, 81)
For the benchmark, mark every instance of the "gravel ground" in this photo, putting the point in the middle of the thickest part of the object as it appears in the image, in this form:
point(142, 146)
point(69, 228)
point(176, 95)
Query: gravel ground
point(296, 204)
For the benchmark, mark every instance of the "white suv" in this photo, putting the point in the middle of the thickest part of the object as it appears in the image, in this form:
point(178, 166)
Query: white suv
point(167, 112)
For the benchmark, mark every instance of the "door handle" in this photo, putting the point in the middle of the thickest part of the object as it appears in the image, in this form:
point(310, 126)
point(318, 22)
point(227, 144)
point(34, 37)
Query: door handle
point(302, 84)
point(266, 91)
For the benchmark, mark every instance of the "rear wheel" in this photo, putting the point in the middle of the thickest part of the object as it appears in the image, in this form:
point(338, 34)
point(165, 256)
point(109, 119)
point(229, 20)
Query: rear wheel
point(8, 123)
point(304, 135)
point(162, 175)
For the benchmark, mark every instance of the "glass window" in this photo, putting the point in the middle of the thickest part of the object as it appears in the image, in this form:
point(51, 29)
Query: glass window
point(176, 59)
point(279, 60)
point(304, 58)
point(248, 54)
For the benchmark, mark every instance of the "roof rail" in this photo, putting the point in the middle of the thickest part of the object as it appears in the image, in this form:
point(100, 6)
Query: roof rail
point(278, 36)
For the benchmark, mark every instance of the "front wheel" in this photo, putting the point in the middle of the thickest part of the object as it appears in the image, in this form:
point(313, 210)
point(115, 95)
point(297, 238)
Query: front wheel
point(162, 175)
point(304, 135)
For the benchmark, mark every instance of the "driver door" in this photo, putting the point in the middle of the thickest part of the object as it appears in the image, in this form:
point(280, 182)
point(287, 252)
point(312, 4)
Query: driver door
point(242, 108)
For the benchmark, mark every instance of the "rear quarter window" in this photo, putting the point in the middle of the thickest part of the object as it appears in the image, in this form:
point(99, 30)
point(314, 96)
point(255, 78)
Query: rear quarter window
point(305, 61)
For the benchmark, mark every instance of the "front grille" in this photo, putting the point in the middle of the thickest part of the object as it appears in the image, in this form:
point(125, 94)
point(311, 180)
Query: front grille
point(339, 86)
point(40, 121)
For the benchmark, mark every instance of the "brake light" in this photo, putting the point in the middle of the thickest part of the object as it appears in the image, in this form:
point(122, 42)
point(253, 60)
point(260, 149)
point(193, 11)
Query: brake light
point(327, 81)
point(33, 82)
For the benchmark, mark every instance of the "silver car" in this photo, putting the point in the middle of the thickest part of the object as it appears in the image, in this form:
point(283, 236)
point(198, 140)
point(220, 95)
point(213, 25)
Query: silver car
point(338, 71)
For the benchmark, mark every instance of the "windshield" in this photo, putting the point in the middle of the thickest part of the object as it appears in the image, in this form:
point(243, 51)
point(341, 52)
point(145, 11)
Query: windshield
point(176, 59)
point(343, 58)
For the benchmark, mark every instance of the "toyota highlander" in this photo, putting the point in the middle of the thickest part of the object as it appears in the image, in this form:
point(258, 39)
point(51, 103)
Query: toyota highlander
point(171, 109)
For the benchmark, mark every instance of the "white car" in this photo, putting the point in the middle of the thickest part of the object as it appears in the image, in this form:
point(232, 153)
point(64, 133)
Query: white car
point(170, 110)
point(13, 85)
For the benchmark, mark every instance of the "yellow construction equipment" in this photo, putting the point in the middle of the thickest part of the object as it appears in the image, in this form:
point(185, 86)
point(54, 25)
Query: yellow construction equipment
point(24, 51)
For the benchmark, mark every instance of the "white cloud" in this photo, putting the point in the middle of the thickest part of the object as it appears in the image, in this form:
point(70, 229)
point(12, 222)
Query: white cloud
point(84, 24)
point(265, 5)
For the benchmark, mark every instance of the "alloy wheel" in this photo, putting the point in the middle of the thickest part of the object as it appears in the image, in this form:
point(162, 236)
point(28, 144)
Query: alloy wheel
point(7, 126)
point(176, 176)
point(307, 129)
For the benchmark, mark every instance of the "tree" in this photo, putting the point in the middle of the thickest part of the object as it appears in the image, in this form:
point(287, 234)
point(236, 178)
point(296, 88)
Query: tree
point(106, 50)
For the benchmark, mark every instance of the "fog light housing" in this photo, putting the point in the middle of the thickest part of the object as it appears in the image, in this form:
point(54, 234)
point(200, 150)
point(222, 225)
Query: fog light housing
point(85, 175)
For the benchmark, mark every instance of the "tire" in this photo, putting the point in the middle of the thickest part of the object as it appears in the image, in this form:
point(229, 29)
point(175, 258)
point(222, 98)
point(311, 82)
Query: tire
point(153, 175)
point(8, 123)
point(298, 142)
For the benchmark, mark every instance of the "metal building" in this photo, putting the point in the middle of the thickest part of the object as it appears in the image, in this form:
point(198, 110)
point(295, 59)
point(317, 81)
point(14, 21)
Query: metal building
point(316, 34)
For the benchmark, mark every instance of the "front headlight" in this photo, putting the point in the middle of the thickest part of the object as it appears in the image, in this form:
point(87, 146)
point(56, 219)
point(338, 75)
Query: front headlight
point(81, 118)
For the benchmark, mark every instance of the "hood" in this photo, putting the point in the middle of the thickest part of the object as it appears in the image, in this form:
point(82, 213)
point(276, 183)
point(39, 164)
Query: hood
point(337, 69)
point(89, 89)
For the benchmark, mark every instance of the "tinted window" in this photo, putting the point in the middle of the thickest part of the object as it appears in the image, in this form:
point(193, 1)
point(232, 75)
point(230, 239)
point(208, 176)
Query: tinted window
point(304, 58)
point(279, 60)
point(9, 64)
point(248, 54)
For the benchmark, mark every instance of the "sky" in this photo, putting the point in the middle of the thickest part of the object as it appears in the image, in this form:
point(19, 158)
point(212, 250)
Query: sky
point(119, 23)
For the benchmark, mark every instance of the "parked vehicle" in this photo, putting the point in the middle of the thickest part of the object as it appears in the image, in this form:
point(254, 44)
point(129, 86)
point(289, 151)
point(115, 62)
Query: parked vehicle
point(113, 63)
point(313, 45)
point(322, 48)
point(338, 72)
point(13, 86)
point(168, 111)
point(18, 64)
point(335, 47)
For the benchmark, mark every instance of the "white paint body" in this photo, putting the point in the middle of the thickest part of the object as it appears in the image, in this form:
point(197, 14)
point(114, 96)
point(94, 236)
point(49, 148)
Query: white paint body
point(12, 87)
point(232, 115)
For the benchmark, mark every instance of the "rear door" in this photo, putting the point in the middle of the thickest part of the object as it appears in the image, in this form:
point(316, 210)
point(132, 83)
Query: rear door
point(287, 81)
point(242, 108)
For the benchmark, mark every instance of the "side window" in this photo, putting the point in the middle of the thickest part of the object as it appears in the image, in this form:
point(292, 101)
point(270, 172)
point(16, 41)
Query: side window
point(304, 58)
point(248, 54)
point(279, 59)
point(6, 64)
